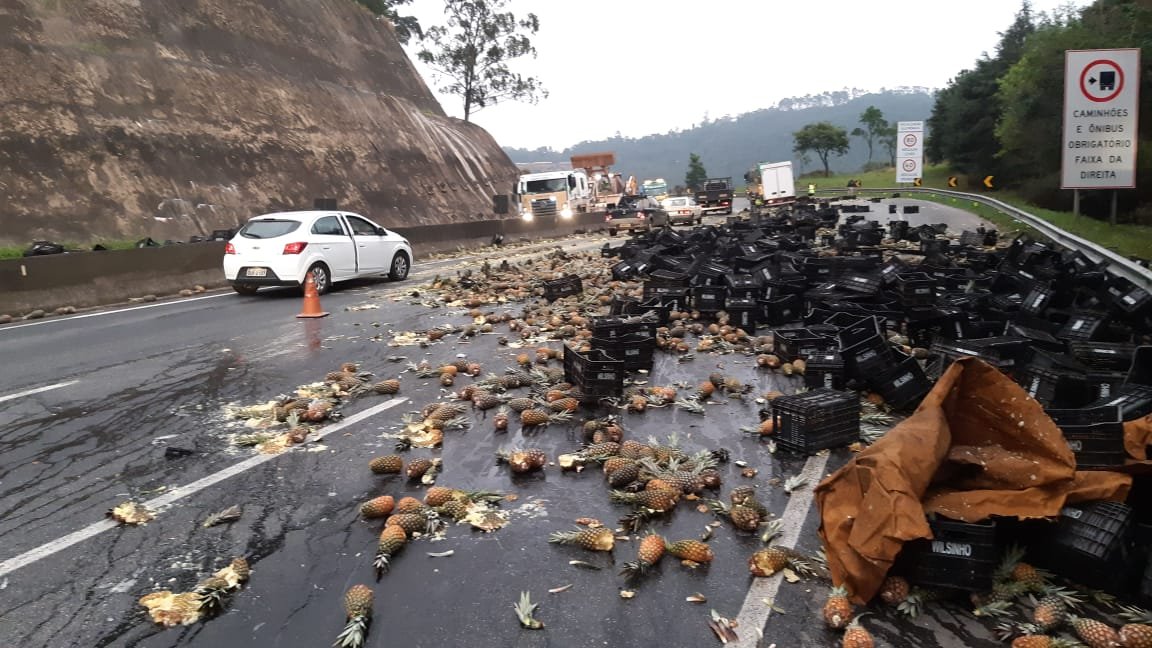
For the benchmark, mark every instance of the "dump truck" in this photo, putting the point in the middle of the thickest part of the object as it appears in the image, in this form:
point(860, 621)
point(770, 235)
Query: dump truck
point(607, 186)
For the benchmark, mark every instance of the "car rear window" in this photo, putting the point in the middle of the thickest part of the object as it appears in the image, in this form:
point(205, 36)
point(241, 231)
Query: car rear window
point(268, 228)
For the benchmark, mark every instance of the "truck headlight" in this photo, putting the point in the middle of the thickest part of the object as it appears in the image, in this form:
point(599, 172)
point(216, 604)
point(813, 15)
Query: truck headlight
point(566, 212)
point(526, 214)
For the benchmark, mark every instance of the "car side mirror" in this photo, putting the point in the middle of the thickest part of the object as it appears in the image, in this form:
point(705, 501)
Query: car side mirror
point(380, 231)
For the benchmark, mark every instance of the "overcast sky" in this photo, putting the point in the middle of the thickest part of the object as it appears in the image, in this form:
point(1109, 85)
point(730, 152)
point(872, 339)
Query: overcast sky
point(673, 62)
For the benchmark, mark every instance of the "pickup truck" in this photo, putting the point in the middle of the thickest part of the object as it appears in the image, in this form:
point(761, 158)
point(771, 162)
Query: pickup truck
point(716, 196)
point(635, 212)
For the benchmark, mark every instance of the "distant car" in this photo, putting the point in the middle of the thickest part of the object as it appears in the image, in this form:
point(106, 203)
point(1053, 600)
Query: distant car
point(280, 249)
point(635, 212)
point(682, 210)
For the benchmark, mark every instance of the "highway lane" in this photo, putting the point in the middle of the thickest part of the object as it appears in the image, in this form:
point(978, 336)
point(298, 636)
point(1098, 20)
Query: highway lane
point(150, 379)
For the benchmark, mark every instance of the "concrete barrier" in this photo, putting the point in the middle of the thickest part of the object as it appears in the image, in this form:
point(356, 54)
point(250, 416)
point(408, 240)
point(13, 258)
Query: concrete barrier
point(86, 279)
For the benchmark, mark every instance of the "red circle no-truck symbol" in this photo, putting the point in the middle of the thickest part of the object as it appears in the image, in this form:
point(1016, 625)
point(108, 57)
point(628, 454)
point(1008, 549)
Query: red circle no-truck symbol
point(1117, 87)
point(909, 165)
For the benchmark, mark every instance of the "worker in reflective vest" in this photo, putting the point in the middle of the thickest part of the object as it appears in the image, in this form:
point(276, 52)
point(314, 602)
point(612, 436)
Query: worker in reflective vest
point(811, 189)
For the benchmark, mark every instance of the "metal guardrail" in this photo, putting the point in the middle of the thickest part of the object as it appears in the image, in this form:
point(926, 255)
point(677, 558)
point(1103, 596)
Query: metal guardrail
point(1118, 264)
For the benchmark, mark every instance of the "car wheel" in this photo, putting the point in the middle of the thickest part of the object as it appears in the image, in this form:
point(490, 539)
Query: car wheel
point(400, 267)
point(322, 277)
point(245, 289)
point(611, 231)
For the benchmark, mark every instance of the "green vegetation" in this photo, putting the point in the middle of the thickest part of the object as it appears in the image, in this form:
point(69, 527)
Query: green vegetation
point(470, 55)
point(1004, 115)
point(875, 127)
point(823, 139)
point(15, 252)
point(405, 26)
point(696, 175)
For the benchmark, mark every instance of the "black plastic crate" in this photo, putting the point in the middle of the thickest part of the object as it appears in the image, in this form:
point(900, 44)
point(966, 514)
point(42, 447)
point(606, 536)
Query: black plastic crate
point(903, 385)
point(667, 278)
point(743, 286)
point(563, 287)
point(1084, 327)
point(709, 298)
point(1089, 540)
point(800, 343)
point(945, 352)
point(816, 419)
point(864, 349)
point(743, 313)
point(1140, 371)
point(815, 269)
point(1134, 401)
point(595, 374)
point(1038, 299)
point(776, 311)
point(1111, 356)
point(859, 282)
point(1131, 299)
point(916, 287)
point(659, 308)
point(624, 270)
point(623, 305)
point(1105, 384)
point(1095, 434)
point(1054, 386)
point(960, 556)
point(825, 370)
point(635, 350)
point(609, 328)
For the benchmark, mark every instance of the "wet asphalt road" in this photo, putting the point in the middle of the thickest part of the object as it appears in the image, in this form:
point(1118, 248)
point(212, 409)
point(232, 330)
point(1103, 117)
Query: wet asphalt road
point(131, 384)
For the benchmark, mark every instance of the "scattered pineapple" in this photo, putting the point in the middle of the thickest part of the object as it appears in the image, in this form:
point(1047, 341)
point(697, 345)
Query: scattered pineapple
point(409, 505)
point(387, 387)
point(392, 539)
point(838, 609)
point(358, 611)
point(418, 467)
point(500, 421)
point(523, 461)
point(597, 539)
point(656, 500)
point(1136, 635)
point(856, 636)
point(524, 609)
point(691, 550)
point(387, 465)
point(651, 550)
point(377, 507)
point(1094, 633)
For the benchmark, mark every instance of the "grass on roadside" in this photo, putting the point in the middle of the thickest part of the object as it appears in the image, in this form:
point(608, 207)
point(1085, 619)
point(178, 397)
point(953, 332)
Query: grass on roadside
point(17, 251)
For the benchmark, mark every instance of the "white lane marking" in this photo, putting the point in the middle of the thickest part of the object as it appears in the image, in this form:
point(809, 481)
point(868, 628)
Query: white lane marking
point(129, 309)
point(179, 493)
point(38, 390)
point(754, 613)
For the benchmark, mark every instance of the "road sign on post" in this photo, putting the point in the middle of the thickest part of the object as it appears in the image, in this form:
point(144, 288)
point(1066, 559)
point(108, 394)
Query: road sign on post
point(1101, 105)
point(910, 150)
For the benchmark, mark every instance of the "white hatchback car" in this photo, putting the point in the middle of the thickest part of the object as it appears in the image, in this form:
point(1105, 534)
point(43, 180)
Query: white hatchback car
point(280, 249)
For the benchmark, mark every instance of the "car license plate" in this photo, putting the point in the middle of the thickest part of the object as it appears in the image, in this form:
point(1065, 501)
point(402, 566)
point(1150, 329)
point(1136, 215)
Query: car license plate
point(257, 272)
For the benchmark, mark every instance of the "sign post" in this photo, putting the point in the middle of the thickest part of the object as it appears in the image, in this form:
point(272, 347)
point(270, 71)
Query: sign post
point(1101, 109)
point(910, 151)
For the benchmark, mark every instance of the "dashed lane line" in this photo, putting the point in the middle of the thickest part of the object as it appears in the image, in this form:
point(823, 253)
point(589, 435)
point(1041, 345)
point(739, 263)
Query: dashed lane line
point(754, 613)
point(38, 390)
point(171, 497)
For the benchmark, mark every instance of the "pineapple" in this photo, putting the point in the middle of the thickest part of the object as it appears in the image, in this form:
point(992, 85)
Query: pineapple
point(392, 539)
point(418, 467)
point(454, 510)
point(567, 404)
point(1043, 641)
point(856, 636)
point(598, 539)
point(1052, 611)
point(1094, 633)
point(837, 609)
point(387, 387)
point(895, 590)
point(486, 400)
point(439, 495)
point(742, 494)
point(212, 591)
point(500, 421)
point(656, 500)
point(624, 475)
point(409, 522)
point(377, 507)
point(1031, 578)
point(651, 550)
point(1136, 635)
point(524, 609)
point(600, 451)
point(409, 505)
point(632, 449)
point(771, 560)
point(744, 518)
point(523, 461)
point(691, 550)
point(387, 465)
point(613, 463)
point(521, 404)
point(358, 611)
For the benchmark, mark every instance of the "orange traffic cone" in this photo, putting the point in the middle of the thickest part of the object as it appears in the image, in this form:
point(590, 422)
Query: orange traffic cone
point(311, 299)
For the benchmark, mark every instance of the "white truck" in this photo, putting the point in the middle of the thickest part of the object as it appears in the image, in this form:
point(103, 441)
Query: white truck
point(777, 185)
point(553, 194)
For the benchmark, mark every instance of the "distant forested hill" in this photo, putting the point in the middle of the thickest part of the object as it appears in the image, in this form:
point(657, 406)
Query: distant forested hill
point(731, 145)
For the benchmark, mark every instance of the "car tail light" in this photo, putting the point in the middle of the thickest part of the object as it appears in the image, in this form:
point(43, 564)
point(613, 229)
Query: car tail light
point(229, 248)
point(295, 248)
point(640, 215)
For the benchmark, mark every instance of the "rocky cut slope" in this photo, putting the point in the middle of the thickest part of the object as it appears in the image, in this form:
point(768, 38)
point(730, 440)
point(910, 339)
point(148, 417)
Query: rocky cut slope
point(132, 118)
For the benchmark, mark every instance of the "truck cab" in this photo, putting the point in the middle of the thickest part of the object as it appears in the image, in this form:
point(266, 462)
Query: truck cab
point(716, 196)
point(656, 189)
point(553, 194)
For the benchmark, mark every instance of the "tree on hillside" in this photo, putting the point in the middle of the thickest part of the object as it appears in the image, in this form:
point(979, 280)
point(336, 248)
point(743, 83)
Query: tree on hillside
point(406, 26)
point(962, 126)
point(874, 124)
point(696, 175)
point(470, 54)
point(888, 141)
point(823, 139)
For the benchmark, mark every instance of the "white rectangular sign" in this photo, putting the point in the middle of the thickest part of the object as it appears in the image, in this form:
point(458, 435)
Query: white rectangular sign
point(909, 150)
point(1101, 105)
